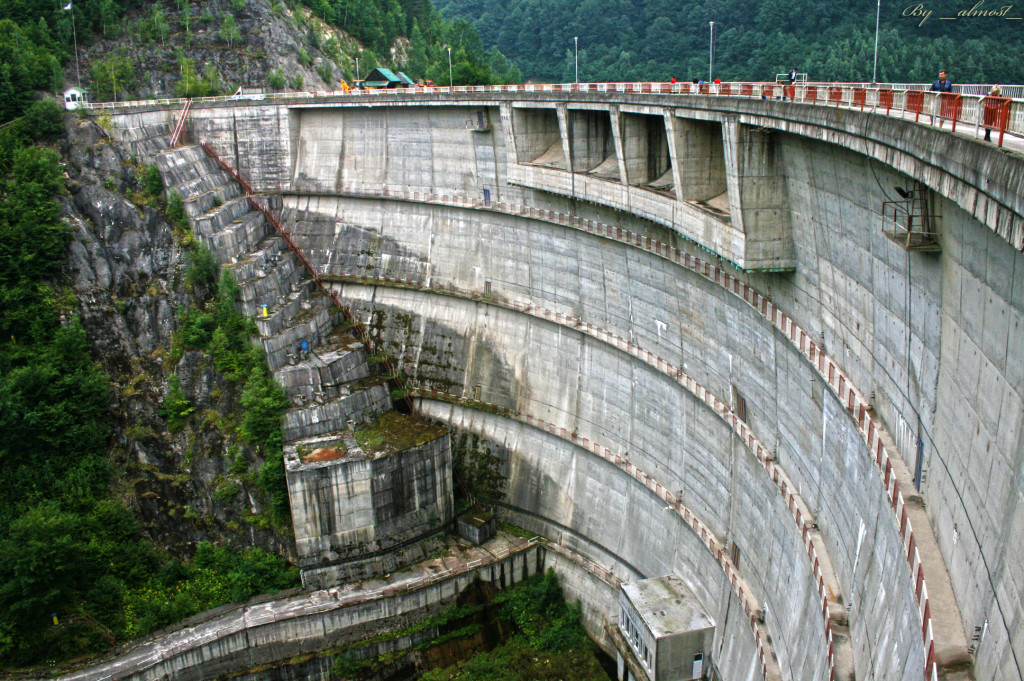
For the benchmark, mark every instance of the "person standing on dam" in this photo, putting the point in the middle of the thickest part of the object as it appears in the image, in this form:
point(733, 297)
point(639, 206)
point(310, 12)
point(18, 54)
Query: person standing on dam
point(943, 84)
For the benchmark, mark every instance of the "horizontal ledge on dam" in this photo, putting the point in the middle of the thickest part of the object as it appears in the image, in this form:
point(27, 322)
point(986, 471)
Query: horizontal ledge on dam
point(713, 544)
point(258, 623)
point(893, 474)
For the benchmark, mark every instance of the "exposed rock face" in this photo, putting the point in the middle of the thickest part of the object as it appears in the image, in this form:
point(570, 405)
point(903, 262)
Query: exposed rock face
point(270, 38)
point(127, 270)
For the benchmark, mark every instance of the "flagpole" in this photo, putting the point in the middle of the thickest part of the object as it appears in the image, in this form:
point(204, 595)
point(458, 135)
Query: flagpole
point(74, 33)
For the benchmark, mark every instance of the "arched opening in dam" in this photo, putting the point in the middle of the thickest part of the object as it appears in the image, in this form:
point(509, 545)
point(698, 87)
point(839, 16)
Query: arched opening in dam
point(684, 328)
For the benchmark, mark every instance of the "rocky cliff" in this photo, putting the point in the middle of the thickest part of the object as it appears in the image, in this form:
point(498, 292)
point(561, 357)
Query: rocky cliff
point(127, 269)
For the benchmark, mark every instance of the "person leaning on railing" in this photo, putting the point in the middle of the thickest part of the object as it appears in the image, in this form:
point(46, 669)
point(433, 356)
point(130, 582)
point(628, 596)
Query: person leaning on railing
point(942, 84)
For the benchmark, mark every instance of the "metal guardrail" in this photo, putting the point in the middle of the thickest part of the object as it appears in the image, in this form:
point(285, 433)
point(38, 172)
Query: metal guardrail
point(882, 98)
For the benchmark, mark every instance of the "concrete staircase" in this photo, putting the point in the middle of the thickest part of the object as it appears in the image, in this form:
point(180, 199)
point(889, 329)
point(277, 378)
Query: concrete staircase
point(323, 368)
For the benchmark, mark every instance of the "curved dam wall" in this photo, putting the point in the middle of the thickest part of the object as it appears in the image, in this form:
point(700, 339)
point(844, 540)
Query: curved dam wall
point(932, 338)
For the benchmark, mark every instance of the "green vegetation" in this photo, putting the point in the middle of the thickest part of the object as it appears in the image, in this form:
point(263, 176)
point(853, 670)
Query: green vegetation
point(67, 549)
point(215, 327)
point(30, 59)
point(216, 576)
point(112, 76)
point(394, 431)
point(176, 407)
point(754, 40)
point(276, 79)
point(378, 23)
point(229, 31)
point(547, 641)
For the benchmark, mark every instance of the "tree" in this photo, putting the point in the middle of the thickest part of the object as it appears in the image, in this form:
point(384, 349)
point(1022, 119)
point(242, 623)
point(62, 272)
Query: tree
point(176, 407)
point(275, 79)
point(155, 26)
point(112, 75)
point(229, 30)
point(44, 120)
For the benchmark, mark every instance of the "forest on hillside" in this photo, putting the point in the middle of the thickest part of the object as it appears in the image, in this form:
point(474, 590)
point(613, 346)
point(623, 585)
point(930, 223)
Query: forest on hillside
point(37, 39)
point(634, 40)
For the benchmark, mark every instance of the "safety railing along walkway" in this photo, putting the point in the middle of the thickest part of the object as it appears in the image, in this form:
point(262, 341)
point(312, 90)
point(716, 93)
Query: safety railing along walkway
point(364, 337)
point(965, 106)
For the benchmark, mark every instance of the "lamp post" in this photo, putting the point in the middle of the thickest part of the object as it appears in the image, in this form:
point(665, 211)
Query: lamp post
point(878, 18)
point(357, 71)
point(711, 54)
point(576, 44)
point(451, 81)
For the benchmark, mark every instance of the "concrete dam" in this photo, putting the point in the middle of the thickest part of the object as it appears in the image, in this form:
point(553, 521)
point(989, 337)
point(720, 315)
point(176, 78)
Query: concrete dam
point(765, 348)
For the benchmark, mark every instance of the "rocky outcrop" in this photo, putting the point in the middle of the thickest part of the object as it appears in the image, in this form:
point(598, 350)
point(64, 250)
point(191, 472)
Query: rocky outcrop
point(126, 268)
point(272, 35)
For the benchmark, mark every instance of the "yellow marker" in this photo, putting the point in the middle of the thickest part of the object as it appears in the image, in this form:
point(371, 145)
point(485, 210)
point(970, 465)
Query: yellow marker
point(55, 622)
point(265, 311)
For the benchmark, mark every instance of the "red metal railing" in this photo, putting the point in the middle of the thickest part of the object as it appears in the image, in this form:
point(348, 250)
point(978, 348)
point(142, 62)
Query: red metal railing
point(835, 94)
point(885, 99)
point(950, 106)
point(996, 114)
point(179, 126)
point(915, 102)
point(860, 96)
point(318, 280)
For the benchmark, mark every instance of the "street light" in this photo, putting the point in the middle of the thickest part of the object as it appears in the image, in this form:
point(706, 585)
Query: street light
point(878, 18)
point(711, 54)
point(357, 71)
point(451, 81)
point(576, 43)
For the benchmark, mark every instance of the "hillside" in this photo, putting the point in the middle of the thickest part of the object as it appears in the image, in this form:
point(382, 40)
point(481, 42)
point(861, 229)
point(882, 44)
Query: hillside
point(141, 472)
point(631, 40)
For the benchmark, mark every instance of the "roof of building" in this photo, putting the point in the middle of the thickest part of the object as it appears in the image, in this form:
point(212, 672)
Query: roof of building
point(384, 77)
point(667, 606)
point(405, 79)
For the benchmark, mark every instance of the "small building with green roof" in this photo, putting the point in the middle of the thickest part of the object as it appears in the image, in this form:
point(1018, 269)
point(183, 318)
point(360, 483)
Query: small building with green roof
point(383, 78)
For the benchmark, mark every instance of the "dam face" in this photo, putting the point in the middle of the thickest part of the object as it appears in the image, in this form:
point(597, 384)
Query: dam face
point(686, 328)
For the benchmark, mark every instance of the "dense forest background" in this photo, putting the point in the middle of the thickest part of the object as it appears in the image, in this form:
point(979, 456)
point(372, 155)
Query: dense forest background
point(642, 40)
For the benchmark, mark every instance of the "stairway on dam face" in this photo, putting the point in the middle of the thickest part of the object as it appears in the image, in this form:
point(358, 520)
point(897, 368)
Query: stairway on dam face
point(322, 368)
point(356, 513)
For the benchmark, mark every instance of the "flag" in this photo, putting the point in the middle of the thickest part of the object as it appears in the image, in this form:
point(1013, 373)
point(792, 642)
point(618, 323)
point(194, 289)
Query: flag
point(67, 6)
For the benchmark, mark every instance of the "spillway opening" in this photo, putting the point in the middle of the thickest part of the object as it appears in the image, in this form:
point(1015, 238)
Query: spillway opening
point(592, 144)
point(538, 139)
point(646, 153)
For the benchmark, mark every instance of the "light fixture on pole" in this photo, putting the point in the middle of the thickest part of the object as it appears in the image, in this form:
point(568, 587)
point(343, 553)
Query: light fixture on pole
point(878, 19)
point(576, 44)
point(451, 81)
point(711, 54)
point(357, 71)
